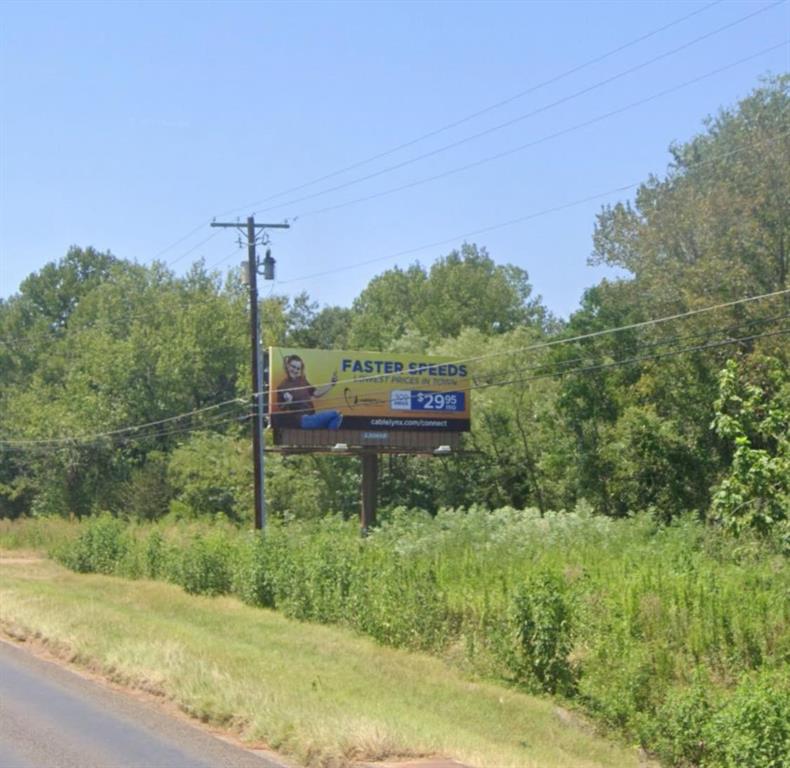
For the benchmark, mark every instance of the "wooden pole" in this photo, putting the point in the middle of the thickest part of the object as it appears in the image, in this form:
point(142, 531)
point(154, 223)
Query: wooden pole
point(370, 471)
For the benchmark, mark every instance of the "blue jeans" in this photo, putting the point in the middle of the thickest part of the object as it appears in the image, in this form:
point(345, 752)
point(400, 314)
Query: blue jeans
point(322, 420)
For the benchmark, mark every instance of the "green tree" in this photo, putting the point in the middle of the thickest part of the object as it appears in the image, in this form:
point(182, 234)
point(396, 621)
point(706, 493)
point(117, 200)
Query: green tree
point(718, 225)
point(138, 347)
point(714, 229)
point(753, 415)
point(386, 308)
point(465, 289)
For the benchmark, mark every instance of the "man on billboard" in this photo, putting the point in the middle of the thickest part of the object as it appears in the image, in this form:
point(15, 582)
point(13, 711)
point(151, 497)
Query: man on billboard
point(295, 395)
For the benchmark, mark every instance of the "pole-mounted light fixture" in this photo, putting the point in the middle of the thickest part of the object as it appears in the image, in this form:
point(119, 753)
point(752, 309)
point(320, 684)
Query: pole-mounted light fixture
point(268, 265)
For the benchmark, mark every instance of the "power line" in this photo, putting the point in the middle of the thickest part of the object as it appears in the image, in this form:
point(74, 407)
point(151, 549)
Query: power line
point(571, 339)
point(209, 424)
point(672, 341)
point(479, 112)
point(448, 126)
point(124, 440)
point(465, 119)
point(633, 360)
point(456, 238)
point(521, 380)
point(535, 142)
point(589, 368)
point(180, 240)
point(192, 249)
point(517, 220)
point(11, 341)
point(525, 116)
point(122, 430)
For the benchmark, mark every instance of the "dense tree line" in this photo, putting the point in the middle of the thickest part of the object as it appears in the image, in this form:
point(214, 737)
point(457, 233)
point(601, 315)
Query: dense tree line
point(669, 417)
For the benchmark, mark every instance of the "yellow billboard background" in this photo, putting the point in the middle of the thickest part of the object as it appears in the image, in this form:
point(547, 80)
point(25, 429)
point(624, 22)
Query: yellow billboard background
point(369, 389)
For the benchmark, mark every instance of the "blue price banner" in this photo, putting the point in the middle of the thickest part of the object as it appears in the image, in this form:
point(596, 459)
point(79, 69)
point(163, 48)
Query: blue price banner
point(422, 400)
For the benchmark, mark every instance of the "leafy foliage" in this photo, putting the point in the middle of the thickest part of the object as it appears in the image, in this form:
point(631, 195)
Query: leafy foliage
point(542, 618)
point(753, 413)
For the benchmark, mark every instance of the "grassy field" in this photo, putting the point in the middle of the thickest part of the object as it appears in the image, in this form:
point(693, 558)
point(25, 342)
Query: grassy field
point(320, 694)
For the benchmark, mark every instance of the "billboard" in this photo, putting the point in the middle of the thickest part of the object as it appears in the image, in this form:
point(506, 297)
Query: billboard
point(319, 389)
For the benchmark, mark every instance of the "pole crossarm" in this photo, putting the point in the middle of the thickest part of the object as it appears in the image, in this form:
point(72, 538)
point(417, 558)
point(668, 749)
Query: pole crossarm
point(243, 226)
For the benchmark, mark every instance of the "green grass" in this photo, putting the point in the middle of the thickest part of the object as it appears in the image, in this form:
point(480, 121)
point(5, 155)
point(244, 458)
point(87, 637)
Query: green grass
point(676, 637)
point(37, 533)
point(318, 693)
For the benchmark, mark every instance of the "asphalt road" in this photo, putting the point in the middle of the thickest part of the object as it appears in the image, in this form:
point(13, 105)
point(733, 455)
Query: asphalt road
point(53, 718)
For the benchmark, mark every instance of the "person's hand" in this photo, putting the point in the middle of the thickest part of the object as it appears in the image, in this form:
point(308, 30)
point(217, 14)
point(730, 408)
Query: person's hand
point(287, 396)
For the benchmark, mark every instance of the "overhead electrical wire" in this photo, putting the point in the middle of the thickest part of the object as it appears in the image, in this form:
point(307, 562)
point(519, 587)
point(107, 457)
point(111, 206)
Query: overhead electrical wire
point(525, 348)
point(127, 437)
point(514, 150)
point(670, 341)
point(576, 338)
point(479, 112)
point(130, 433)
point(589, 368)
point(534, 112)
point(517, 220)
point(455, 123)
point(640, 359)
point(10, 341)
point(541, 140)
point(529, 347)
point(193, 248)
point(176, 430)
point(122, 430)
point(467, 118)
point(180, 240)
point(130, 439)
point(559, 370)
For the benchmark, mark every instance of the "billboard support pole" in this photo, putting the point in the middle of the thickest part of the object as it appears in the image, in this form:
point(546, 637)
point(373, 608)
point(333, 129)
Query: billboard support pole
point(256, 364)
point(370, 472)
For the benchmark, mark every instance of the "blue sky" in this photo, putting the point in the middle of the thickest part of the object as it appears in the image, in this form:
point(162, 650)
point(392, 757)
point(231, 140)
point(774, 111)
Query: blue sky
point(126, 126)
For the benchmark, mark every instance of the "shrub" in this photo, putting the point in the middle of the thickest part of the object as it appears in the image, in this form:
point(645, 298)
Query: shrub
point(753, 727)
point(540, 618)
point(253, 571)
point(147, 493)
point(98, 548)
point(678, 730)
point(399, 603)
point(210, 475)
point(205, 565)
point(615, 614)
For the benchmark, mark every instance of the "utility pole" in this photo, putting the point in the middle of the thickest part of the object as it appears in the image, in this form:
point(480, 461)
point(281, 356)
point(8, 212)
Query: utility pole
point(257, 367)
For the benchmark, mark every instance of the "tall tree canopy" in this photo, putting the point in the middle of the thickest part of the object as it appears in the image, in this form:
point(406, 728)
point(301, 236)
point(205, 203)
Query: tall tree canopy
point(718, 225)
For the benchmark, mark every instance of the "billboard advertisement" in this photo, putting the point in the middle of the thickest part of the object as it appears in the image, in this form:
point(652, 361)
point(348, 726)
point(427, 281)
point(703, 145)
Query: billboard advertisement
point(337, 389)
